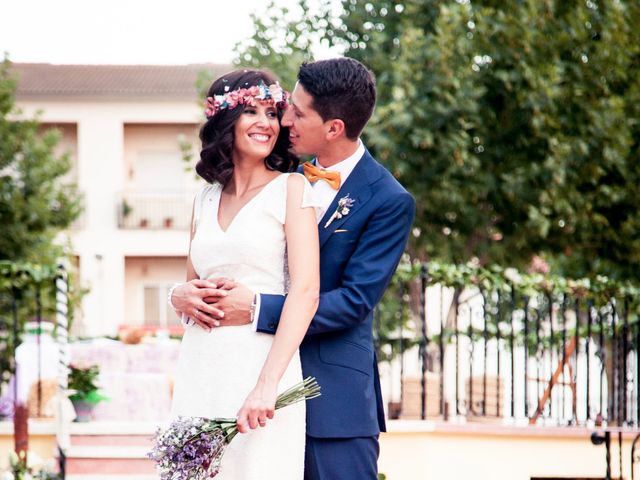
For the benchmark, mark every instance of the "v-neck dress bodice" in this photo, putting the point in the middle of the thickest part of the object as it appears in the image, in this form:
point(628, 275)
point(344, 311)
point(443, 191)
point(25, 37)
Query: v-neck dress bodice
point(251, 249)
point(218, 369)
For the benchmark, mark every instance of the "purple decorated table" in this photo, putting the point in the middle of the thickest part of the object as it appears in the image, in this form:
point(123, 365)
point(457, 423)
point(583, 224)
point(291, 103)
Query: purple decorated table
point(138, 378)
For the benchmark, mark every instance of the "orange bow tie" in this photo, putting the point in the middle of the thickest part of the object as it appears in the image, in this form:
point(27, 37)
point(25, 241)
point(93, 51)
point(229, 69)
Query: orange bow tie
point(314, 174)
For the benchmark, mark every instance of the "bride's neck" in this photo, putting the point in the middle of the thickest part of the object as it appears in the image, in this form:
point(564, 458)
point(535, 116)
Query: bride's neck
point(246, 177)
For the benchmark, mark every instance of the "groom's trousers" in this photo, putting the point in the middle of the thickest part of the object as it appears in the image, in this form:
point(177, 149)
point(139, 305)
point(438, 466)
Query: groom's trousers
point(341, 458)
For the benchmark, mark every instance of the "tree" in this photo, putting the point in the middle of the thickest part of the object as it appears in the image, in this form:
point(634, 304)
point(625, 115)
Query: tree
point(283, 39)
point(515, 125)
point(35, 204)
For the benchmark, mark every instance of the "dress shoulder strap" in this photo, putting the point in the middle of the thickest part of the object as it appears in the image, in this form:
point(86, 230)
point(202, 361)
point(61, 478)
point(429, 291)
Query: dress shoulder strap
point(279, 206)
point(198, 203)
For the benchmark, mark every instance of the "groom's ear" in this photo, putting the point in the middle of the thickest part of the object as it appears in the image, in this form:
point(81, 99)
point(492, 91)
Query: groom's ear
point(336, 129)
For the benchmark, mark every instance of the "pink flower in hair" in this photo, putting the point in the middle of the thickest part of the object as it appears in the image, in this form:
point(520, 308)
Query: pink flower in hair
point(233, 98)
point(211, 107)
point(276, 92)
point(272, 94)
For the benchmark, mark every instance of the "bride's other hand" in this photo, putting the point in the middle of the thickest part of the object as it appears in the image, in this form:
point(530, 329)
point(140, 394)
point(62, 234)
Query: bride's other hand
point(258, 407)
point(221, 283)
point(189, 298)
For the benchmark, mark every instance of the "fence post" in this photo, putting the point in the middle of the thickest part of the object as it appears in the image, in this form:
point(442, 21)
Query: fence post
point(62, 336)
point(423, 341)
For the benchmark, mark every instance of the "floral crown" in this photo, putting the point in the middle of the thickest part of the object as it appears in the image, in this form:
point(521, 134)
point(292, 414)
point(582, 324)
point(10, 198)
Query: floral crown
point(246, 96)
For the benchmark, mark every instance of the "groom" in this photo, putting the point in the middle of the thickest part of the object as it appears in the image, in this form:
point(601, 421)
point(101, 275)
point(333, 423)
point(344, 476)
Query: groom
point(363, 232)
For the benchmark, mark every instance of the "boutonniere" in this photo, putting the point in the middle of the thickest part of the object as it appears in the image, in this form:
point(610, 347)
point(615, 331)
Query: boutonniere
point(343, 209)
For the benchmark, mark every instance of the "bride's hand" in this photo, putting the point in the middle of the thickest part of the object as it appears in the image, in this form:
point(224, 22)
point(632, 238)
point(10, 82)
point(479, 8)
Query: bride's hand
point(258, 407)
point(195, 298)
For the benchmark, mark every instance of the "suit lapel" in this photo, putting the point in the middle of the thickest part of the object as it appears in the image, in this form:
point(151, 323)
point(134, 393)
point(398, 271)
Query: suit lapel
point(357, 188)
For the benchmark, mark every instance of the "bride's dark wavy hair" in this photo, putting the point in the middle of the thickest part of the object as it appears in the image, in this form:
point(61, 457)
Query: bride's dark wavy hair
point(217, 133)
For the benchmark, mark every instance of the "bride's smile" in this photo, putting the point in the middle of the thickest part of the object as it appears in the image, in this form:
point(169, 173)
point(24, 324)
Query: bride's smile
point(256, 131)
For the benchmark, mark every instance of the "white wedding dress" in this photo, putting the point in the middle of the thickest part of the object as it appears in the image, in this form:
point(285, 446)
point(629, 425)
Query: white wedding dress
point(217, 370)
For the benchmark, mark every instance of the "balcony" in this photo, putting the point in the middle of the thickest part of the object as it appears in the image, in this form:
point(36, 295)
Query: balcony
point(155, 210)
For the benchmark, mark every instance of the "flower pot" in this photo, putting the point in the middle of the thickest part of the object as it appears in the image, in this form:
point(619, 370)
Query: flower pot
point(394, 409)
point(84, 410)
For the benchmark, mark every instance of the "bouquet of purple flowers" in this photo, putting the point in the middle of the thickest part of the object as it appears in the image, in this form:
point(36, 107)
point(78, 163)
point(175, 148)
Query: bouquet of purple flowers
point(192, 447)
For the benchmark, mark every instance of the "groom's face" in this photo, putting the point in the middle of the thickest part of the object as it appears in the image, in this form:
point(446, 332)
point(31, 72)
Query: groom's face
point(307, 131)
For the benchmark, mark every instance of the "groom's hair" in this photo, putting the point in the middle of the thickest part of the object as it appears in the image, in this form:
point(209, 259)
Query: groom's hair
point(341, 88)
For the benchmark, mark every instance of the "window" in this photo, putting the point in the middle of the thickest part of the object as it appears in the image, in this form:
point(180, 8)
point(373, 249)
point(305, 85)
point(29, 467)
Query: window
point(157, 312)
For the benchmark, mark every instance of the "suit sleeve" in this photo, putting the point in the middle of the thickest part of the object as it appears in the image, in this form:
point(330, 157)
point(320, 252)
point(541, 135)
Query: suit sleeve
point(366, 275)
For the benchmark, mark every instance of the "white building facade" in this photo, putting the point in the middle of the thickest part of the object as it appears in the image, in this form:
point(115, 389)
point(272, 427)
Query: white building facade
point(123, 127)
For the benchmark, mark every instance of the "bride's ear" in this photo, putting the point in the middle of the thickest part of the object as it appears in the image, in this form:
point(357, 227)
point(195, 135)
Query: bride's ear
point(335, 130)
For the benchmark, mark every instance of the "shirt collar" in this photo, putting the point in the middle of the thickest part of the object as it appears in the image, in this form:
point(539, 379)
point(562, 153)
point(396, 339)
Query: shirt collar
point(344, 167)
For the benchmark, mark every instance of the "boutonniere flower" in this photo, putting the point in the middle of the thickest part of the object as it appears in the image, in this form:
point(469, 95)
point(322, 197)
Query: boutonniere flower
point(343, 209)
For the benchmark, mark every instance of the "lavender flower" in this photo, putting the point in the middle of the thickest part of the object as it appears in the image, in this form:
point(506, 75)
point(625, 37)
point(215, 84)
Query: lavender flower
point(6, 407)
point(343, 209)
point(192, 447)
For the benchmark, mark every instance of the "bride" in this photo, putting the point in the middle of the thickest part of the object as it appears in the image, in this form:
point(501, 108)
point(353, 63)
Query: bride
point(252, 222)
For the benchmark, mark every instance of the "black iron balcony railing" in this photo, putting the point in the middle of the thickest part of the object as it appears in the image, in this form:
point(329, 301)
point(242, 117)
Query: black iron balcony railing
point(155, 210)
point(523, 350)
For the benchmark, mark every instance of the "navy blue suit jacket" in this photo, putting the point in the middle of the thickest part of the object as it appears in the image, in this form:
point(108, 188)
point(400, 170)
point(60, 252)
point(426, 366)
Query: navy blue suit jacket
point(358, 256)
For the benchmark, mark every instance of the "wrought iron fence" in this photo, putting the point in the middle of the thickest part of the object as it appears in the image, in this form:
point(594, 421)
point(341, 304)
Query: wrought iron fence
point(493, 344)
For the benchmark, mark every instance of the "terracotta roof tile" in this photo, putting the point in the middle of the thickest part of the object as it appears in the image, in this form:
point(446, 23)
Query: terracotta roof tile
point(175, 81)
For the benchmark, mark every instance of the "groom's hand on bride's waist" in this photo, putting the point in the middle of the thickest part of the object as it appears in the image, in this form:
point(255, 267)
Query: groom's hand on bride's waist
point(198, 298)
point(236, 306)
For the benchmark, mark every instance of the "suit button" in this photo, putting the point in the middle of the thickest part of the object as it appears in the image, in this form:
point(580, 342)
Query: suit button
point(272, 325)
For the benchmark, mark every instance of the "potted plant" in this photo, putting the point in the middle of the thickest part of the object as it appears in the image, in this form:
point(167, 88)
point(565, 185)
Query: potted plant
point(23, 466)
point(126, 209)
point(125, 212)
point(85, 394)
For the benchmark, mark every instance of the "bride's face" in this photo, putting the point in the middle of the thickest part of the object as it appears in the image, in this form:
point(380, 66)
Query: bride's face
point(256, 131)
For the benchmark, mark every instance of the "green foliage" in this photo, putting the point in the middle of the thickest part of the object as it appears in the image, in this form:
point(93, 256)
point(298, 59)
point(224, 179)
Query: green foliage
point(82, 380)
point(515, 125)
point(506, 290)
point(283, 38)
point(35, 205)
point(20, 286)
point(20, 470)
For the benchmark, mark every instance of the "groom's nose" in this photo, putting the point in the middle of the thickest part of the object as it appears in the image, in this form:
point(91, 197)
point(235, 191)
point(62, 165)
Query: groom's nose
point(287, 118)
